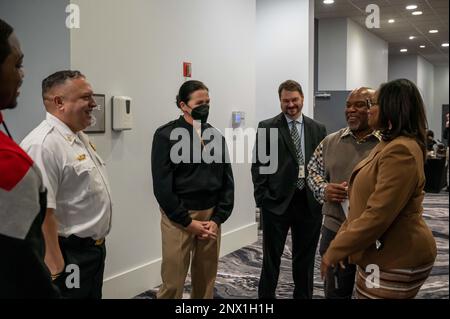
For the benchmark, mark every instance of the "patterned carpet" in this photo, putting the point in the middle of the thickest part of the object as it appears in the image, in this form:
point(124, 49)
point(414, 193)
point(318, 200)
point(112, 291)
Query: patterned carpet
point(238, 273)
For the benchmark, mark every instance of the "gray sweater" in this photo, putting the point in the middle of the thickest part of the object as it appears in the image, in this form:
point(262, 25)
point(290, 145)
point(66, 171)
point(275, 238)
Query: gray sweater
point(333, 162)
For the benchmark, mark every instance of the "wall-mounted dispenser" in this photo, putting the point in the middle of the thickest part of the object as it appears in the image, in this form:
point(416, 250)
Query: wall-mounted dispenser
point(238, 120)
point(122, 115)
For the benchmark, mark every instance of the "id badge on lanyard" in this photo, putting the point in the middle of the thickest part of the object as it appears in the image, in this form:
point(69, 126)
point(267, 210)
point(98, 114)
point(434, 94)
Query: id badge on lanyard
point(301, 171)
point(301, 168)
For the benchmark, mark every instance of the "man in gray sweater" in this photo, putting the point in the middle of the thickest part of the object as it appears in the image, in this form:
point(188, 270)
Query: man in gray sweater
point(329, 171)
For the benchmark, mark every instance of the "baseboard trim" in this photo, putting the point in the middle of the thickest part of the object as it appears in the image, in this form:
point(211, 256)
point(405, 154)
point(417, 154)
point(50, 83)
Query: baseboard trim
point(140, 279)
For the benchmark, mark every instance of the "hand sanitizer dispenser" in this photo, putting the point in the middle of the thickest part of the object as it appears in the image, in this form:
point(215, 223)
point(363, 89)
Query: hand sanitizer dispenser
point(122, 117)
point(238, 120)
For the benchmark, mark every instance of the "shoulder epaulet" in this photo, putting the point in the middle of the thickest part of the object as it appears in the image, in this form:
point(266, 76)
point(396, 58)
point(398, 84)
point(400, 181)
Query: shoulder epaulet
point(44, 132)
point(38, 135)
point(169, 125)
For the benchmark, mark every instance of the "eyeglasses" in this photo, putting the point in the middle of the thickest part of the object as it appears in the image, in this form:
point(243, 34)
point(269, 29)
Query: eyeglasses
point(371, 103)
point(358, 104)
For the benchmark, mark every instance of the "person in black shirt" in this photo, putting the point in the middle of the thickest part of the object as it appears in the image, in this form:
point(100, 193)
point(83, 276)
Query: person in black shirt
point(446, 128)
point(193, 184)
point(430, 140)
point(447, 143)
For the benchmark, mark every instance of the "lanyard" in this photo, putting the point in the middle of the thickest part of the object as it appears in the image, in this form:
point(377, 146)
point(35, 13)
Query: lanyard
point(6, 129)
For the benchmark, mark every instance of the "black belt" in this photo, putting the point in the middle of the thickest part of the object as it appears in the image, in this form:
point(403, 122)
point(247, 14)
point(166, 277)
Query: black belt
point(81, 242)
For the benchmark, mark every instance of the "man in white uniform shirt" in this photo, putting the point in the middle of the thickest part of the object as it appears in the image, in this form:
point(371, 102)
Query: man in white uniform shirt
point(78, 216)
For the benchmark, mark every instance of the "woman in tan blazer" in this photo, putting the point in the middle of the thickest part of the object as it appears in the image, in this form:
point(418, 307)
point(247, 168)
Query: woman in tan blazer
point(385, 234)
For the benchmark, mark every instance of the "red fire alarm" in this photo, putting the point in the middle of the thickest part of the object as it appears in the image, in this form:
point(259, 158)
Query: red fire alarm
point(187, 69)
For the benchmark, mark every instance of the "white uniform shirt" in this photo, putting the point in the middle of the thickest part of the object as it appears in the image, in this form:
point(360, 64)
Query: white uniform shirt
point(75, 177)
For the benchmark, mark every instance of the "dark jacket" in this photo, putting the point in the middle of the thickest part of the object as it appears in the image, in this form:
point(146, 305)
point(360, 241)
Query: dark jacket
point(192, 183)
point(274, 192)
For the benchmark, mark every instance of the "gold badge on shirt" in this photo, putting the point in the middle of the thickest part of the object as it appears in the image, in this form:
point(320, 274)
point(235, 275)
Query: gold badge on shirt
point(82, 157)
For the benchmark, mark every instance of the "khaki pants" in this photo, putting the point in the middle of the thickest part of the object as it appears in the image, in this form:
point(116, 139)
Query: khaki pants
point(177, 247)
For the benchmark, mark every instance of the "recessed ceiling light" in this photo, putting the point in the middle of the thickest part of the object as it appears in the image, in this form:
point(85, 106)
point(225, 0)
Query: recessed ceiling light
point(404, 50)
point(391, 21)
point(328, 1)
point(412, 37)
point(411, 7)
point(445, 45)
point(417, 13)
point(422, 47)
point(433, 31)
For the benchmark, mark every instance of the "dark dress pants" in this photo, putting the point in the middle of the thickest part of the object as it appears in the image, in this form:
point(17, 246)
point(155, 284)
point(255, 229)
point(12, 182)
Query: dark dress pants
point(339, 283)
point(305, 230)
point(89, 256)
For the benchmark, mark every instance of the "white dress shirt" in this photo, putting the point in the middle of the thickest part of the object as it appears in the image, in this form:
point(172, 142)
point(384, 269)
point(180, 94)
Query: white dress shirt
point(75, 177)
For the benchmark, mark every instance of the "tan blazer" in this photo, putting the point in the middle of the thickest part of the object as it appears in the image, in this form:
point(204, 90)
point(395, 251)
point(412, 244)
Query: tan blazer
point(386, 194)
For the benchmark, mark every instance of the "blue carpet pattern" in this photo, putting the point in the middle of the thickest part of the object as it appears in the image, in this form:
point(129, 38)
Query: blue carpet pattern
point(238, 273)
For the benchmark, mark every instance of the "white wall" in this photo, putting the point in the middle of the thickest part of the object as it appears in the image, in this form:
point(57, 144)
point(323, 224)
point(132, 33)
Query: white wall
point(403, 67)
point(350, 56)
point(137, 49)
point(40, 27)
point(441, 96)
point(332, 55)
point(432, 82)
point(367, 58)
point(284, 50)
point(425, 83)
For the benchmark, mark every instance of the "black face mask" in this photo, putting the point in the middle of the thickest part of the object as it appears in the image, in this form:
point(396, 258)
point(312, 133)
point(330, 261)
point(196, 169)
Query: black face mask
point(201, 113)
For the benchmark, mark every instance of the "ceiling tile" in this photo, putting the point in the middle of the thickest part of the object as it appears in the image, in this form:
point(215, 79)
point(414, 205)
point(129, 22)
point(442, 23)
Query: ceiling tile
point(435, 16)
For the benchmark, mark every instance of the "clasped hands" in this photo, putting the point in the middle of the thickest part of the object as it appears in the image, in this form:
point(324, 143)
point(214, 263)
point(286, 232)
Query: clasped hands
point(203, 230)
